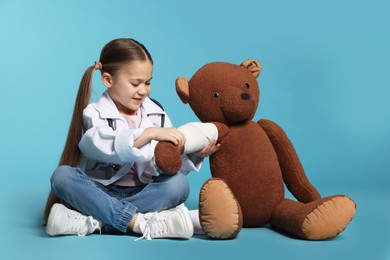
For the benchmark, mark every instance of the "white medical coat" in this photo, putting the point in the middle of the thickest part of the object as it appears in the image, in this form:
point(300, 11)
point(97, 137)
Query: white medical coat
point(108, 152)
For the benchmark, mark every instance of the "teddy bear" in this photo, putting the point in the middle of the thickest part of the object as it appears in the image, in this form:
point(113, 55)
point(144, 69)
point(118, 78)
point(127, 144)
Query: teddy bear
point(254, 164)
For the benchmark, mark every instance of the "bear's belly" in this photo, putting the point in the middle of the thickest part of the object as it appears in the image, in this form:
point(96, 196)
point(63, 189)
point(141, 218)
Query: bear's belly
point(248, 163)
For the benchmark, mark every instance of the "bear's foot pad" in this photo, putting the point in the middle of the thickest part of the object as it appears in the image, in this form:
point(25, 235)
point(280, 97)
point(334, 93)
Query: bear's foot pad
point(219, 212)
point(329, 219)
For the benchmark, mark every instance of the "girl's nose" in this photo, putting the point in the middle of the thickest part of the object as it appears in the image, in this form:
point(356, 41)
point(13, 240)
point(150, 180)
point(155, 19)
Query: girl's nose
point(142, 89)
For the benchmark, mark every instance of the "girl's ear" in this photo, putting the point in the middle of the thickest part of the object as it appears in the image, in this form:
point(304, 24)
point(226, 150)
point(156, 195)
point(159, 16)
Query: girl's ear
point(107, 79)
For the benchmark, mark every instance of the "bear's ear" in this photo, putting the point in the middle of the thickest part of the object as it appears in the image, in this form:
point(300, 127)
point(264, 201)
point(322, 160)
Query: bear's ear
point(253, 66)
point(183, 89)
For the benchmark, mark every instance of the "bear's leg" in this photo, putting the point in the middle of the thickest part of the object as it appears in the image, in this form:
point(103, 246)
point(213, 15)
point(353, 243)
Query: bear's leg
point(318, 220)
point(219, 212)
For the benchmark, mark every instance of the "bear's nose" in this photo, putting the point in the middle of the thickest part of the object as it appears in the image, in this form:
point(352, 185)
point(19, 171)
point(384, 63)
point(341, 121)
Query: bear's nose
point(245, 96)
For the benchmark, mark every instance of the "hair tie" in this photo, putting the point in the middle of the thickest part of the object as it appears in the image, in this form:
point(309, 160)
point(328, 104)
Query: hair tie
point(98, 65)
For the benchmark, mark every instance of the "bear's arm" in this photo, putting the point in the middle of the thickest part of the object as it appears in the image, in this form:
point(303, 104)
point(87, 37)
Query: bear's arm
point(223, 130)
point(293, 173)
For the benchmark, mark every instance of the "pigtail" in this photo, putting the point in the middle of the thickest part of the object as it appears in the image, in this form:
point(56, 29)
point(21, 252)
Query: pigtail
point(71, 153)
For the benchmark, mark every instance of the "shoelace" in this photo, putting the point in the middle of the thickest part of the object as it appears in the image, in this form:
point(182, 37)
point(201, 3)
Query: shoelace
point(93, 225)
point(154, 227)
point(83, 225)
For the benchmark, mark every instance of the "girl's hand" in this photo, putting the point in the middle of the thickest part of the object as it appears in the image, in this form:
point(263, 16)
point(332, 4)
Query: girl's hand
point(168, 134)
point(160, 134)
point(209, 149)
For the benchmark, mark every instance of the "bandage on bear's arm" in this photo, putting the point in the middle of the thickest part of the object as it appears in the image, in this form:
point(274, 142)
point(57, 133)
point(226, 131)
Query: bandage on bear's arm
point(198, 135)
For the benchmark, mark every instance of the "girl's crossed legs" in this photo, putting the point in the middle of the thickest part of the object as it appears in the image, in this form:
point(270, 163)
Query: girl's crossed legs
point(116, 206)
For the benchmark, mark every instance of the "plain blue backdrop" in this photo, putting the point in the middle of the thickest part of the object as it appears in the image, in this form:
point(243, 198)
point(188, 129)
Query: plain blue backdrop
point(325, 80)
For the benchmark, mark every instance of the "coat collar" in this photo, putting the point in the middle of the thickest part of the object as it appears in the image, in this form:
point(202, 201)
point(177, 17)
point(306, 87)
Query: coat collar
point(107, 108)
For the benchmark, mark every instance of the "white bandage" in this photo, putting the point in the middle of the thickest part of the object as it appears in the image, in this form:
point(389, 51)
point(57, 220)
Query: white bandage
point(198, 135)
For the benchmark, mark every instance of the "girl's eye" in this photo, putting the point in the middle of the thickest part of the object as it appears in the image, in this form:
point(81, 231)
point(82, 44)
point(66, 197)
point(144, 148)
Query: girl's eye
point(247, 86)
point(147, 83)
point(216, 95)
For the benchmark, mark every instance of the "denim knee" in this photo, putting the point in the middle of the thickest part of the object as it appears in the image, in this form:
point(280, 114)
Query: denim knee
point(61, 178)
point(177, 187)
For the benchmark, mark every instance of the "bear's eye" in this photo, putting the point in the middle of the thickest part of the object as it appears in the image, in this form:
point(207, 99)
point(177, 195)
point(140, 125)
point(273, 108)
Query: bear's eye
point(247, 86)
point(216, 95)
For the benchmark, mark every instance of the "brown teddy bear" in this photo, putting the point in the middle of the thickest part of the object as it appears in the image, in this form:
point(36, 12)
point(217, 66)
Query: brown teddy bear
point(254, 162)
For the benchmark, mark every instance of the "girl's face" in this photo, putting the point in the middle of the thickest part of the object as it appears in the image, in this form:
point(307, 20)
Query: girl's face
point(130, 85)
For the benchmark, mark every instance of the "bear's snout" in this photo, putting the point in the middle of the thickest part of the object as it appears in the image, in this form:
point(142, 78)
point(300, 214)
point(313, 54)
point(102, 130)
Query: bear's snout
point(245, 96)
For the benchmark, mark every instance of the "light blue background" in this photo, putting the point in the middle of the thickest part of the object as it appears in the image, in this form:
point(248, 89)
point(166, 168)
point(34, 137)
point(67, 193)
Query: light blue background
point(325, 80)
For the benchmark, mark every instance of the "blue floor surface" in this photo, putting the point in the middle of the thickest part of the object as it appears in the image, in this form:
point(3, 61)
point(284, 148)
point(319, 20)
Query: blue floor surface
point(367, 237)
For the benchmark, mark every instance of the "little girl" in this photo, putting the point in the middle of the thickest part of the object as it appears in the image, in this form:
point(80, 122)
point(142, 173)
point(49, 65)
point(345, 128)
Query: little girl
point(107, 180)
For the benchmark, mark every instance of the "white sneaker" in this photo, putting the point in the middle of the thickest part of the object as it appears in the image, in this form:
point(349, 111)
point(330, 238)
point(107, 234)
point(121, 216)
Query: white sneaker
point(64, 221)
point(171, 223)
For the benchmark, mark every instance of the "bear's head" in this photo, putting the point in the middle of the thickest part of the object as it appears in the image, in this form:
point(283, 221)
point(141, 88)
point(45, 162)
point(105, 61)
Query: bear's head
point(222, 92)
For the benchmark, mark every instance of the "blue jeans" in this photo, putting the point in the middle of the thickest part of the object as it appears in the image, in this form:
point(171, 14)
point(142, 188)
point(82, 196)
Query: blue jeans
point(113, 205)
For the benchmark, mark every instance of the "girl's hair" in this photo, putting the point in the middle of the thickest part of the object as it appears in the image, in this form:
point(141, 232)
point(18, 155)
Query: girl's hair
point(114, 54)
